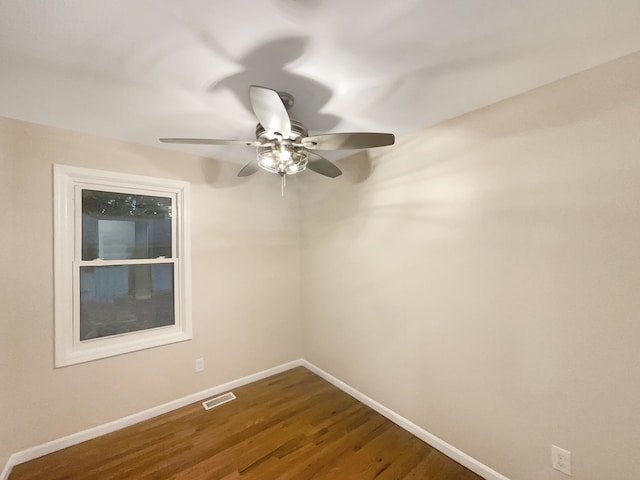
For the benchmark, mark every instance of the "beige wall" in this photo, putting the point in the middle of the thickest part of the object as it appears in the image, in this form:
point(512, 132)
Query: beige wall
point(244, 237)
point(482, 278)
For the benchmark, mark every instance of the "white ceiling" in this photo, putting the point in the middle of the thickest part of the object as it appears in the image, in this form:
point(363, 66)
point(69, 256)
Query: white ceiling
point(137, 70)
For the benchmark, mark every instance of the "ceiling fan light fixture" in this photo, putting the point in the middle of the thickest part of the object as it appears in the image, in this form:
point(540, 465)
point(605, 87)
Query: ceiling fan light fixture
point(284, 145)
point(282, 158)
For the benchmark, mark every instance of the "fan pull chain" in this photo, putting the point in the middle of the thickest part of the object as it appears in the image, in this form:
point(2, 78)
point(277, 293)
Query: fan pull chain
point(283, 183)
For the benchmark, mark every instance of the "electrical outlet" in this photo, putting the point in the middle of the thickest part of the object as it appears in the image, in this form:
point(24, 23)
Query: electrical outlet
point(199, 364)
point(561, 459)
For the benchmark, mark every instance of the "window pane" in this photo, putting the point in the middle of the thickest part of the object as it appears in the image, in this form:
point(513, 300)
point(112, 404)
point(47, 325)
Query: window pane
point(122, 226)
point(125, 298)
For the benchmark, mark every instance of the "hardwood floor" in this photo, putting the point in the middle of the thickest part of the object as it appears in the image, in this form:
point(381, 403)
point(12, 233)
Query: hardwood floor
point(293, 425)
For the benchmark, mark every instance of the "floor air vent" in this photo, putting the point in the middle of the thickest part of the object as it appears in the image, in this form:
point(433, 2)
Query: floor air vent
point(217, 401)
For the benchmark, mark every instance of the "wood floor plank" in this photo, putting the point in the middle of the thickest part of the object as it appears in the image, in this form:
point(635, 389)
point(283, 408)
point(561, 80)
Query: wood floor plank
point(292, 426)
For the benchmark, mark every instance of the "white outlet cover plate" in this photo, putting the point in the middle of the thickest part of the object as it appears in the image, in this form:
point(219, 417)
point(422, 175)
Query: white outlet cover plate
point(561, 459)
point(199, 364)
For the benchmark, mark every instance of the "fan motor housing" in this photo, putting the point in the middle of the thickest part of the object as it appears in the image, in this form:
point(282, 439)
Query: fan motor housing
point(298, 130)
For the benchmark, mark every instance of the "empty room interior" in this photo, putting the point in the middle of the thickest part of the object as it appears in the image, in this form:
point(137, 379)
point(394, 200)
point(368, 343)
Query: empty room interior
point(405, 235)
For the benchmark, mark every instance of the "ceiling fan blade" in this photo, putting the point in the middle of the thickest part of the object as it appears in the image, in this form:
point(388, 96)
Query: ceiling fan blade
point(270, 111)
point(249, 169)
point(346, 141)
point(323, 166)
point(211, 141)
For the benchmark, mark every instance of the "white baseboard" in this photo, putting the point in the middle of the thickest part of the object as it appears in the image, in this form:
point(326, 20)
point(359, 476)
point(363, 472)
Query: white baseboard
point(83, 436)
point(437, 443)
point(64, 442)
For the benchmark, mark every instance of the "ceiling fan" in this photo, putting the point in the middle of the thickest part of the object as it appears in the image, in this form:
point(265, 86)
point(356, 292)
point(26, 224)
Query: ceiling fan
point(283, 145)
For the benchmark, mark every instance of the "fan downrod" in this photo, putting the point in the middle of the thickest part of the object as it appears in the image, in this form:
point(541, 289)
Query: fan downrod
point(287, 99)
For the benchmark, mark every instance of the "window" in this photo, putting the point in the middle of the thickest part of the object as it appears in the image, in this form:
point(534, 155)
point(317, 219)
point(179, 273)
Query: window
point(121, 263)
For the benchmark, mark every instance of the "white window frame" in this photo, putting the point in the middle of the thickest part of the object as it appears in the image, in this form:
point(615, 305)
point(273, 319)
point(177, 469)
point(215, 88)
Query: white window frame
point(68, 183)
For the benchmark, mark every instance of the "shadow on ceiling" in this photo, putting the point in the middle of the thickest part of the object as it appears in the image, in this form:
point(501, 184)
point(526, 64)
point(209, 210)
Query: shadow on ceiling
point(266, 66)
